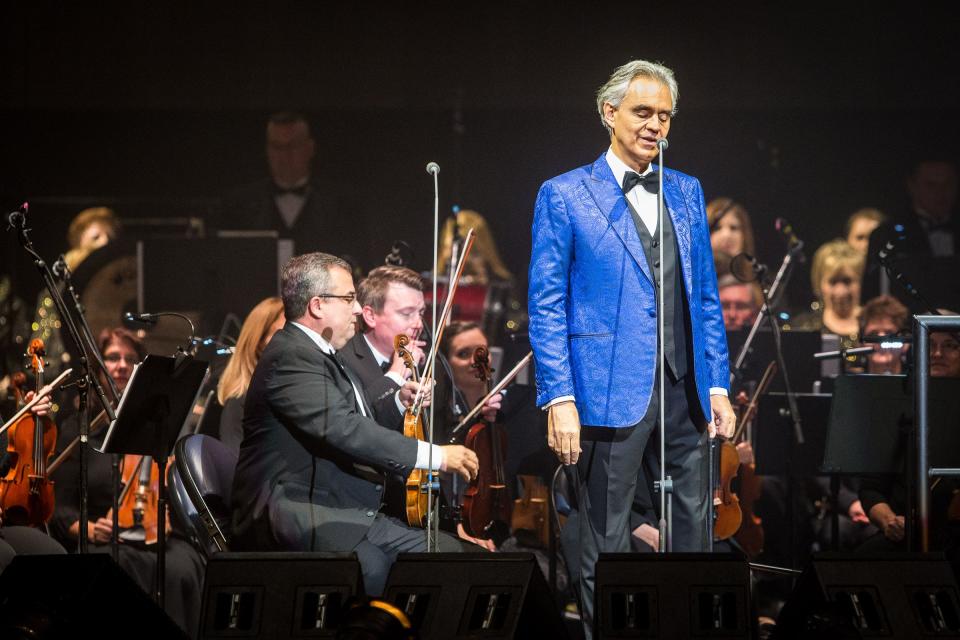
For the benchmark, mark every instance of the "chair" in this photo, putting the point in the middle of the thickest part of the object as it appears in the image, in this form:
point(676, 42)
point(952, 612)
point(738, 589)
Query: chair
point(200, 489)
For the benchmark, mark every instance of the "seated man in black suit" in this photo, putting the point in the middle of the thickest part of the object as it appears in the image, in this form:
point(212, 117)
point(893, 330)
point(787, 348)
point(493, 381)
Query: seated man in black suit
point(312, 463)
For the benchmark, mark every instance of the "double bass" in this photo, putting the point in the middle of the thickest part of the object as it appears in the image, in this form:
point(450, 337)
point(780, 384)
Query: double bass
point(486, 501)
point(26, 493)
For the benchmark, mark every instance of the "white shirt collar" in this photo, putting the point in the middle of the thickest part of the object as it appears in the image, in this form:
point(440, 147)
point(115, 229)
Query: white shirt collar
point(620, 168)
point(323, 345)
point(376, 353)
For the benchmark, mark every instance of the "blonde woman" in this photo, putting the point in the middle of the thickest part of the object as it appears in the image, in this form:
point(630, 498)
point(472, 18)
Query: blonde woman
point(835, 276)
point(259, 326)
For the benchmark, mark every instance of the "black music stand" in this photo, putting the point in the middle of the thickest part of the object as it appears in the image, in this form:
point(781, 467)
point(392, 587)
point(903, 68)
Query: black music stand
point(155, 404)
point(777, 451)
point(870, 431)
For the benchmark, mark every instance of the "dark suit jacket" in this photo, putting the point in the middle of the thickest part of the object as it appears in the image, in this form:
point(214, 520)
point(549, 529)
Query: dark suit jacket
point(913, 258)
point(326, 223)
point(380, 390)
point(311, 469)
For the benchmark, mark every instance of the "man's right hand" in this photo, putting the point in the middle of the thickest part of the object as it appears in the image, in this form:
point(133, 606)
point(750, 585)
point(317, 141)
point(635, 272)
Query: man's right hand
point(408, 392)
point(563, 431)
point(459, 459)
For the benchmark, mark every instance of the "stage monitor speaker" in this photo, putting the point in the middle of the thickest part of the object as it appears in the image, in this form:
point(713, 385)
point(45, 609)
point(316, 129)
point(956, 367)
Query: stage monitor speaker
point(904, 595)
point(456, 595)
point(277, 595)
point(674, 595)
point(76, 596)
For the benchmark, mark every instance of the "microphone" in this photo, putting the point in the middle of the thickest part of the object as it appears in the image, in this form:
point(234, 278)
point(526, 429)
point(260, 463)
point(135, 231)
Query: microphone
point(785, 229)
point(19, 217)
point(746, 268)
point(59, 267)
point(663, 144)
point(148, 319)
point(433, 168)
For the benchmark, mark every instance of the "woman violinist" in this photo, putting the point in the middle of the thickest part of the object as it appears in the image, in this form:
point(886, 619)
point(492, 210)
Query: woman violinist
point(121, 350)
point(460, 342)
point(20, 540)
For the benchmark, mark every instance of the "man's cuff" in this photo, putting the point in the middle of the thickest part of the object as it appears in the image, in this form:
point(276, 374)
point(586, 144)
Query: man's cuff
point(719, 391)
point(423, 456)
point(558, 400)
point(395, 377)
point(396, 398)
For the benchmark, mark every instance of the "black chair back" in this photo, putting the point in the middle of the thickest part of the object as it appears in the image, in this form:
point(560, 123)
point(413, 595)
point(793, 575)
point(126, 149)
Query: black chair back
point(205, 468)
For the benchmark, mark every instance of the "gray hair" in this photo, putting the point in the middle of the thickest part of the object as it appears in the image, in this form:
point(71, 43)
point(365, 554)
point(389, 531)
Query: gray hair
point(614, 90)
point(304, 277)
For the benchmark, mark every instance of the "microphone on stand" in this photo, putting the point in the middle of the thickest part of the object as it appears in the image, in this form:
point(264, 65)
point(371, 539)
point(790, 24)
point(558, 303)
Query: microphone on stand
point(663, 144)
point(146, 319)
point(746, 268)
point(16, 219)
point(783, 226)
point(433, 168)
point(59, 267)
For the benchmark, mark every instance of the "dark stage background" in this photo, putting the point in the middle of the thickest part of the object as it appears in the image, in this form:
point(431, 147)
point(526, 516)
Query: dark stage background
point(806, 113)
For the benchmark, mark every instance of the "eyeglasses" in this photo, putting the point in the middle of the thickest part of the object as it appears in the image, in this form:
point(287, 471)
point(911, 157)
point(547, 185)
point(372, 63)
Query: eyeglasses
point(114, 358)
point(348, 298)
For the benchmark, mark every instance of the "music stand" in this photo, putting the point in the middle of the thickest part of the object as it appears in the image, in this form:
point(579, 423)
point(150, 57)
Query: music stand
point(871, 426)
point(777, 449)
point(155, 404)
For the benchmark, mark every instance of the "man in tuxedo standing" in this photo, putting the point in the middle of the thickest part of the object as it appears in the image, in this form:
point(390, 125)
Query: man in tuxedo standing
point(313, 463)
point(594, 270)
point(300, 205)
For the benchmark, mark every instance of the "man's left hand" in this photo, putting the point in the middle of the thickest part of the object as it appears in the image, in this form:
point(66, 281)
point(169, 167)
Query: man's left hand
point(724, 419)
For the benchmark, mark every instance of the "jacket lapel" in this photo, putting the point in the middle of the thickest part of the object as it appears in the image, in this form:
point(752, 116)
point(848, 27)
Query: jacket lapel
point(609, 198)
point(680, 217)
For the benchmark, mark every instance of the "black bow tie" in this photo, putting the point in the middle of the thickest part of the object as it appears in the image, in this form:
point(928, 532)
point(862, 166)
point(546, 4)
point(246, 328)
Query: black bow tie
point(649, 181)
point(296, 191)
point(385, 366)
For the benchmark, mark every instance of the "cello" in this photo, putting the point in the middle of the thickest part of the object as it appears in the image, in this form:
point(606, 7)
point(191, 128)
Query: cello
point(26, 493)
point(486, 501)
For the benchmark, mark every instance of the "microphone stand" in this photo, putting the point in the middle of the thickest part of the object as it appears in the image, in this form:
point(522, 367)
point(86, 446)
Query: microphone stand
point(433, 522)
point(19, 221)
point(665, 484)
point(61, 269)
point(766, 313)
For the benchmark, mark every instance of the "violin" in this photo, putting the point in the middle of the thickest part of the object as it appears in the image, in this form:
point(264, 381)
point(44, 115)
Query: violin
point(137, 515)
point(734, 515)
point(26, 493)
point(417, 484)
point(486, 501)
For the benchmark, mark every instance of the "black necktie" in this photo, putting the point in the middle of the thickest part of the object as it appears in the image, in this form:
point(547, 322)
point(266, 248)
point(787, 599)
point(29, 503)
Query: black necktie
point(649, 181)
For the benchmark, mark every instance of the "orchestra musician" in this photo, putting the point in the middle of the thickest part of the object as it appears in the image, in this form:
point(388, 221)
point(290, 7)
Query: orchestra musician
point(884, 499)
point(593, 324)
point(261, 323)
point(392, 304)
point(313, 461)
point(20, 540)
point(121, 350)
